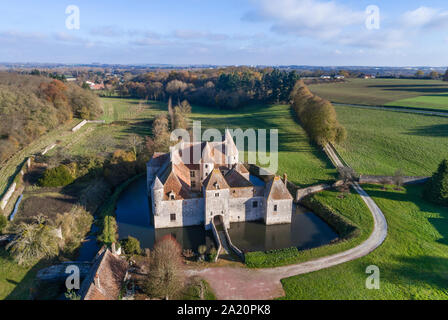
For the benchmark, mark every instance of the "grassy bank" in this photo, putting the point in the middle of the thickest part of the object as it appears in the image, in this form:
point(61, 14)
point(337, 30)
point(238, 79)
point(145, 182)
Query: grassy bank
point(348, 216)
point(380, 142)
point(413, 261)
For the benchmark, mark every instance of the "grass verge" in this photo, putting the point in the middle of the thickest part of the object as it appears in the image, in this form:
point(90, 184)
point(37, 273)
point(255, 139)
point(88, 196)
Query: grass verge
point(413, 260)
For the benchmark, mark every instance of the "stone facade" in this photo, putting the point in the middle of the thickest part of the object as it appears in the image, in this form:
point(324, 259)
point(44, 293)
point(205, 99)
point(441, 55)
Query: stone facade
point(186, 193)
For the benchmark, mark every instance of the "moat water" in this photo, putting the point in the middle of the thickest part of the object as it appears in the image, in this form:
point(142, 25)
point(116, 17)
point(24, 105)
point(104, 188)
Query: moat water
point(133, 218)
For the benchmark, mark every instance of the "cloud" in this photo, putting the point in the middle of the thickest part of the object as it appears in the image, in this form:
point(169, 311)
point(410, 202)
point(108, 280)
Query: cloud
point(425, 17)
point(107, 31)
point(322, 19)
point(196, 35)
point(19, 35)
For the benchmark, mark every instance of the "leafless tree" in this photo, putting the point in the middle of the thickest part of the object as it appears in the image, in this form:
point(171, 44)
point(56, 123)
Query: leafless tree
point(165, 276)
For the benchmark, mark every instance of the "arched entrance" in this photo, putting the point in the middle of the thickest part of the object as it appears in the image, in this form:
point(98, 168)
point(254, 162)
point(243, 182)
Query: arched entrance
point(218, 220)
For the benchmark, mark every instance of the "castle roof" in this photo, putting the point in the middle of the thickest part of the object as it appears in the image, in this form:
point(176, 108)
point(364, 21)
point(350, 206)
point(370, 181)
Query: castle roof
point(236, 180)
point(176, 179)
point(276, 190)
point(215, 181)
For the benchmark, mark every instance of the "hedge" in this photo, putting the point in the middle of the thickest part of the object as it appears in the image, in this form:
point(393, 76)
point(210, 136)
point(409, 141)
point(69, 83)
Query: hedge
point(343, 227)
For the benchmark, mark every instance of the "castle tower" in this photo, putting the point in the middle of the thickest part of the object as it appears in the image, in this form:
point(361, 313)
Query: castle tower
point(157, 196)
point(231, 149)
point(216, 194)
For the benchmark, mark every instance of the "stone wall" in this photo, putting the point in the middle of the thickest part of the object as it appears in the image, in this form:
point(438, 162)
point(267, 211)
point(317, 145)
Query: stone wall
point(8, 196)
point(242, 209)
point(79, 125)
point(189, 212)
point(283, 213)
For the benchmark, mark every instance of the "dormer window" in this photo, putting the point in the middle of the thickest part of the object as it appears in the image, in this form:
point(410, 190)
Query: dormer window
point(172, 196)
point(216, 185)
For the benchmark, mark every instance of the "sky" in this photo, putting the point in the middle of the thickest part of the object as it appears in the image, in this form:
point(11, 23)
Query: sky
point(226, 32)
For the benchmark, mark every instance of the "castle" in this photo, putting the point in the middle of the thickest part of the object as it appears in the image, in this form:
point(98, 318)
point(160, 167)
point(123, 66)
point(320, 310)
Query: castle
point(185, 191)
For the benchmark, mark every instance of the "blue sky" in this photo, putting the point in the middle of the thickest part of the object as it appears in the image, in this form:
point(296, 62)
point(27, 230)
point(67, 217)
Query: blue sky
point(250, 32)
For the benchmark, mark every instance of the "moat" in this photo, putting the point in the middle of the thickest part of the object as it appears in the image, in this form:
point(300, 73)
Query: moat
point(306, 230)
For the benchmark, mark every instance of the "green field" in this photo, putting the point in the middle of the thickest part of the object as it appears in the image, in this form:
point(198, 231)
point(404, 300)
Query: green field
point(304, 163)
point(421, 94)
point(380, 142)
point(413, 261)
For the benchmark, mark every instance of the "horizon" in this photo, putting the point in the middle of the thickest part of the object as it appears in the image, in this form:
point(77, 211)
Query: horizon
point(316, 33)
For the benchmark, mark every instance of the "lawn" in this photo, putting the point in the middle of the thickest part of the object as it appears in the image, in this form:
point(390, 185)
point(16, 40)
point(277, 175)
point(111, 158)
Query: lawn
point(437, 102)
point(15, 280)
point(412, 93)
point(413, 260)
point(304, 163)
point(380, 142)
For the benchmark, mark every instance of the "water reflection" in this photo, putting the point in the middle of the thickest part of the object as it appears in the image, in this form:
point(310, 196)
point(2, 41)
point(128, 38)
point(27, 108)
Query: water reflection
point(305, 231)
point(133, 218)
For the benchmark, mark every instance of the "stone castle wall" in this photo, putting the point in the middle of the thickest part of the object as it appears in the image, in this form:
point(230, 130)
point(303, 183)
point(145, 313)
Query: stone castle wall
point(189, 212)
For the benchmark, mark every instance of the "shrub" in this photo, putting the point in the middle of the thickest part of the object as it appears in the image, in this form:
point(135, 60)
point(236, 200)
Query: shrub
point(33, 242)
point(57, 177)
point(3, 223)
point(74, 225)
point(131, 246)
point(212, 254)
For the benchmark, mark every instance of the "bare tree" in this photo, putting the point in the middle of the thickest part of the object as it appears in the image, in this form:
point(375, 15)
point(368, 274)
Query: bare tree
point(134, 142)
point(165, 277)
point(346, 174)
point(398, 179)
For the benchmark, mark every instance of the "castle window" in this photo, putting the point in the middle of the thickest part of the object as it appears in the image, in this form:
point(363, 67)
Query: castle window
point(192, 174)
point(172, 217)
point(216, 195)
point(193, 184)
point(206, 166)
point(255, 204)
point(275, 208)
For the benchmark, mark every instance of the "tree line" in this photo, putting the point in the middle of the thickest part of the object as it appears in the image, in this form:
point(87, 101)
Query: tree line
point(227, 88)
point(317, 116)
point(30, 106)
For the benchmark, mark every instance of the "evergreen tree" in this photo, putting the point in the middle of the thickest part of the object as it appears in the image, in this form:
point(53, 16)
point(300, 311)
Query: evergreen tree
point(436, 189)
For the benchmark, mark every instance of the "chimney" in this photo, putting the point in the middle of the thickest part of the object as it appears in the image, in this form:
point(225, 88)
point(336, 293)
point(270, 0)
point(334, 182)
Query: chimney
point(285, 179)
point(114, 248)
